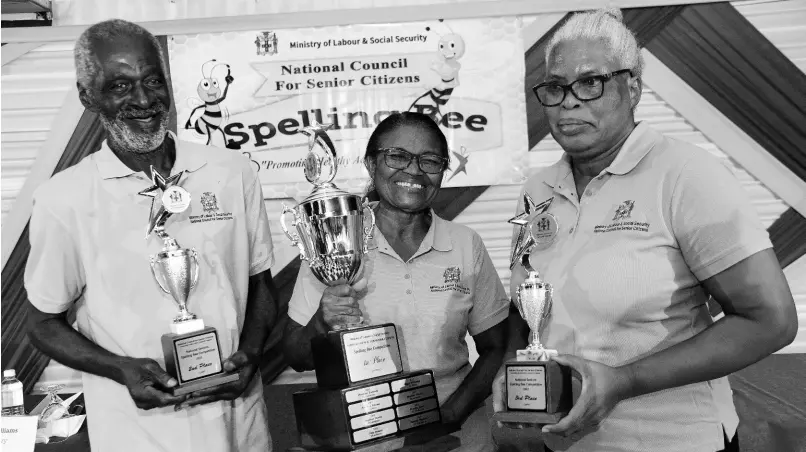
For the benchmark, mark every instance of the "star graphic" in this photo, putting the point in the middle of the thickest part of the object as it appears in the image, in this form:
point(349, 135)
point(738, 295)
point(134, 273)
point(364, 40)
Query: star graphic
point(158, 214)
point(463, 158)
point(314, 131)
point(525, 242)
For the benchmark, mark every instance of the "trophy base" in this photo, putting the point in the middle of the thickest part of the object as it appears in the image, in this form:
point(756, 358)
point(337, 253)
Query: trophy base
point(204, 383)
point(431, 438)
point(522, 417)
point(353, 417)
point(538, 391)
point(193, 358)
point(349, 356)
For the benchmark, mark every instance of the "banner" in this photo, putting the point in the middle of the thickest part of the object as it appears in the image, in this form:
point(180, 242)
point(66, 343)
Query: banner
point(253, 91)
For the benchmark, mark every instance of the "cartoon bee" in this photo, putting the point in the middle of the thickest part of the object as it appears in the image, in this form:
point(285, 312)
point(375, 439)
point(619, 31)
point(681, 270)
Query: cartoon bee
point(211, 94)
point(451, 48)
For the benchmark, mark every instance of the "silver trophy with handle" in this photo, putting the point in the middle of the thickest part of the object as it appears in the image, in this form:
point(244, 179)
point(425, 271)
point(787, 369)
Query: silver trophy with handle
point(329, 226)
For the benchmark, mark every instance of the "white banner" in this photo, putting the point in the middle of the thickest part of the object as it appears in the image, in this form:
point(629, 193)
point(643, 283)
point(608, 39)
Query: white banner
point(264, 85)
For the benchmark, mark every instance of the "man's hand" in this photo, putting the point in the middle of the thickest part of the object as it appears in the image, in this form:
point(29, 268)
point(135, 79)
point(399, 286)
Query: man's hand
point(148, 383)
point(602, 388)
point(241, 362)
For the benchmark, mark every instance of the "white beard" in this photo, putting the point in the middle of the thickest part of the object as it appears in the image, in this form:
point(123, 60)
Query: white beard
point(139, 143)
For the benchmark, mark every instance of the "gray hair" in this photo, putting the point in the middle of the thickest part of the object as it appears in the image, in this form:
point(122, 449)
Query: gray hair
point(87, 64)
point(606, 25)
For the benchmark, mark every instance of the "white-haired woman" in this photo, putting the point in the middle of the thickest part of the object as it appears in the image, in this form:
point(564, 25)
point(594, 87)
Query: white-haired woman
point(647, 228)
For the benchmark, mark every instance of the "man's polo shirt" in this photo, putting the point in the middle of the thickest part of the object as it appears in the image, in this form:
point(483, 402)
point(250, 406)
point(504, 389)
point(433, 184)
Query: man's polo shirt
point(448, 288)
point(626, 266)
point(88, 246)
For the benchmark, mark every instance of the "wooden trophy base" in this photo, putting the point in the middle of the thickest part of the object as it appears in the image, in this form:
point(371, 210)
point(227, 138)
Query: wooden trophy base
point(360, 415)
point(194, 359)
point(538, 391)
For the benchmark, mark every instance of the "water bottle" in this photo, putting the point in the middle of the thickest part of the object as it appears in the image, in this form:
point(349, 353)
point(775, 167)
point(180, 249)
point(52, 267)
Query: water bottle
point(12, 394)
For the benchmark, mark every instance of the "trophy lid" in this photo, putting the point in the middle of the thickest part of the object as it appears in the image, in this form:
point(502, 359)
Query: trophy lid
point(325, 191)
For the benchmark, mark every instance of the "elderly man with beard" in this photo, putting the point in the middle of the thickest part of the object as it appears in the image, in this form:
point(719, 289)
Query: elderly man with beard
point(88, 250)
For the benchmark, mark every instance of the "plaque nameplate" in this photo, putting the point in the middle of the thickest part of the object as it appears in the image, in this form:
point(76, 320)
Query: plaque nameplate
point(414, 394)
point(419, 420)
point(410, 383)
point(378, 431)
point(366, 393)
point(368, 406)
point(372, 353)
point(371, 419)
point(526, 388)
point(417, 407)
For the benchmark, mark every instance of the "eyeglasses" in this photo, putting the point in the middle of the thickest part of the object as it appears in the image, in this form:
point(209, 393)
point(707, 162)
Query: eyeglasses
point(551, 94)
point(397, 158)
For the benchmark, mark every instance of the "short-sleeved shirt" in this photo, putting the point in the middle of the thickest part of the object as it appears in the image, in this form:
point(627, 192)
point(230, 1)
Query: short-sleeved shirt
point(449, 287)
point(626, 266)
point(89, 246)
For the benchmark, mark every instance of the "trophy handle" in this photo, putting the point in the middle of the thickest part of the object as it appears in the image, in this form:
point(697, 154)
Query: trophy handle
point(293, 236)
point(194, 272)
point(157, 277)
point(368, 230)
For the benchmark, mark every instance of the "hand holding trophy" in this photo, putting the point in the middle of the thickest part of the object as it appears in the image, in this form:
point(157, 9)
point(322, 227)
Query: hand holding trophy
point(363, 394)
point(191, 350)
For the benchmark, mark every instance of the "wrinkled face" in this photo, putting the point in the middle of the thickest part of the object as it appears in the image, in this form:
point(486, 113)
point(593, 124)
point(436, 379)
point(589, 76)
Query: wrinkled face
point(130, 94)
point(452, 46)
point(410, 190)
point(585, 129)
point(209, 90)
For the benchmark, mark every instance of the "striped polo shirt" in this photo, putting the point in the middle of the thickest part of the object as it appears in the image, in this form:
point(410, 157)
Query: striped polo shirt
point(448, 288)
point(626, 265)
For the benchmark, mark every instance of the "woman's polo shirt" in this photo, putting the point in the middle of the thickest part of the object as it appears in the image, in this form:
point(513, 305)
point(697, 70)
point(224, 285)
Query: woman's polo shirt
point(448, 288)
point(626, 266)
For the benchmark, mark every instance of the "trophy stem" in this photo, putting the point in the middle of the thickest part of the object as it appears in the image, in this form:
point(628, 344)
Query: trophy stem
point(184, 315)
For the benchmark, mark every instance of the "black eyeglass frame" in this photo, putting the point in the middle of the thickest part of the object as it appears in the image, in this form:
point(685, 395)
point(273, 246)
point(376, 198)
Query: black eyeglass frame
point(569, 87)
point(386, 151)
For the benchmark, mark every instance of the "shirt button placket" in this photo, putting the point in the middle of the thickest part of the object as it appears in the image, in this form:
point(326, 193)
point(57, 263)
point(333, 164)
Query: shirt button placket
point(408, 277)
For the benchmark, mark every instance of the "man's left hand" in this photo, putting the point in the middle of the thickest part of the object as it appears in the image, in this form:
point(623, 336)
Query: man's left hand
point(602, 388)
point(239, 362)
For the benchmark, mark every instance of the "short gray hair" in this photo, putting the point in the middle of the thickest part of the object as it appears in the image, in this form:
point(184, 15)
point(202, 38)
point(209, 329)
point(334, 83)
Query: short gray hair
point(606, 25)
point(87, 64)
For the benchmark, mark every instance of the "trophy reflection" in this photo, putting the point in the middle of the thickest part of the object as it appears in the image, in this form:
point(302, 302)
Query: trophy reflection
point(191, 350)
point(538, 390)
point(363, 394)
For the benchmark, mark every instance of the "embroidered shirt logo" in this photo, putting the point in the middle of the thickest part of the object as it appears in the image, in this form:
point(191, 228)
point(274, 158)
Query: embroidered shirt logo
point(621, 220)
point(623, 211)
point(452, 275)
point(208, 202)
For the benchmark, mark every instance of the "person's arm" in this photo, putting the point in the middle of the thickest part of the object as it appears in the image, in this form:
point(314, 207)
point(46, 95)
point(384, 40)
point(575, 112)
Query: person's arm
point(474, 389)
point(54, 278)
point(146, 381)
point(760, 319)
point(727, 248)
point(338, 305)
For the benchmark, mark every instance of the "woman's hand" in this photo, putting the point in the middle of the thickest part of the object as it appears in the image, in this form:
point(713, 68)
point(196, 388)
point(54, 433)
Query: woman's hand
point(602, 388)
point(339, 304)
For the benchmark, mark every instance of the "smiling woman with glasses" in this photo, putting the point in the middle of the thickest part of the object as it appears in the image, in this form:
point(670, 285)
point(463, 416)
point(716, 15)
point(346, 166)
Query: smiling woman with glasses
point(432, 278)
point(644, 231)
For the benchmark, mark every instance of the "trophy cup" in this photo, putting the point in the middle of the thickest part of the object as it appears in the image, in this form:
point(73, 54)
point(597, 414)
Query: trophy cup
point(538, 390)
point(191, 351)
point(363, 395)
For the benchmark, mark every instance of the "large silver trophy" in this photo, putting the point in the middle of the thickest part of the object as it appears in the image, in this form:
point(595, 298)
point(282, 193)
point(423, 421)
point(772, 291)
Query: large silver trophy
point(359, 370)
point(192, 353)
point(328, 227)
point(534, 303)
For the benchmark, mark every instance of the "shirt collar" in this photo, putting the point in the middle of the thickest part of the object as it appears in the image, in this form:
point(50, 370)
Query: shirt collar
point(110, 166)
point(438, 236)
point(641, 140)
